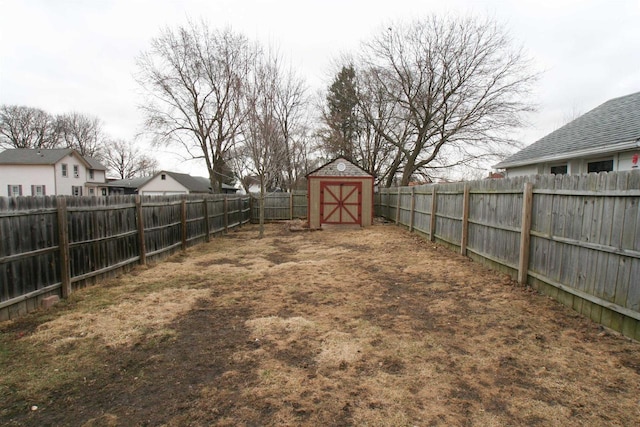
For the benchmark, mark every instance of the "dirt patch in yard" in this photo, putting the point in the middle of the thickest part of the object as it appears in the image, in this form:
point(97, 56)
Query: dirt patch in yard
point(337, 327)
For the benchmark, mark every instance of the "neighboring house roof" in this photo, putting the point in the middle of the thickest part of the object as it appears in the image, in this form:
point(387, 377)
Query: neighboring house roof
point(331, 169)
point(612, 126)
point(29, 156)
point(129, 183)
point(95, 164)
point(195, 184)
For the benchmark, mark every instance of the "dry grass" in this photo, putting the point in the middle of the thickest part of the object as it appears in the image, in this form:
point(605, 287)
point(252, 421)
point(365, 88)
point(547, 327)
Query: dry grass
point(121, 324)
point(362, 327)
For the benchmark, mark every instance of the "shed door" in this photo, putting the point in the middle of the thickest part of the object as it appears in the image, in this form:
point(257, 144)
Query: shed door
point(341, 203)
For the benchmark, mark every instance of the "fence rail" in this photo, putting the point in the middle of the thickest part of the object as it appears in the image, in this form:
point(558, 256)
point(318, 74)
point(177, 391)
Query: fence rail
point(280, 206)
point(52, 245)
point(575, 238)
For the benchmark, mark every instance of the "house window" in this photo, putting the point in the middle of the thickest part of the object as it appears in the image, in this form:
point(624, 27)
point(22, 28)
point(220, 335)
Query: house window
point(65, 170)
point(92, 192)
point(104, 191)
point(76, 190)
point(14, 190)
point(76, 171)
point(91, 174)
point(600, 166)
point(38, 190)
point(559, 169)
point(163, 177)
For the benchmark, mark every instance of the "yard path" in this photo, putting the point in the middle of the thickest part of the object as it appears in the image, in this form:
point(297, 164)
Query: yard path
point(370, 326)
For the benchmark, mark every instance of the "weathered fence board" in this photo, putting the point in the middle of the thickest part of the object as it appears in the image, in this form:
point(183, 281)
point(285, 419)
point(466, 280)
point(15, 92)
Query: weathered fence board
point(582, 243)
point(280, 206)
point(50, 245)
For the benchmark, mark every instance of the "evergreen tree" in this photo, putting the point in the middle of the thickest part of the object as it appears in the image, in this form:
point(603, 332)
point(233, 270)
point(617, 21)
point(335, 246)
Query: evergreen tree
point(340, 114)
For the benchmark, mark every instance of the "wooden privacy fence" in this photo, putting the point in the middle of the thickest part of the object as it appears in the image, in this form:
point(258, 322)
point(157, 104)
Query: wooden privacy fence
point(575, 238)
point(51, 245)
point(280, 206)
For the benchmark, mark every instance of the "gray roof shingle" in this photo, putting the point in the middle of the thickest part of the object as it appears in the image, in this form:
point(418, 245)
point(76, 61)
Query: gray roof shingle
point(331, 169)
point(130, 183)
point(95, 163)
point(29, 156)
point(617, 121)
point(195, 184)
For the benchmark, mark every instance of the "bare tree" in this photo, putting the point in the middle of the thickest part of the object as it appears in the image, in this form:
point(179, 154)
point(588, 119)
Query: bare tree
point(26, 127)
point(456, 84)
point(194, 79)
point(263, 143)
point(289, 106)
point(354, 102)
point(127, 161)
point(301, 156)
point(382, 129)
point(81, 132)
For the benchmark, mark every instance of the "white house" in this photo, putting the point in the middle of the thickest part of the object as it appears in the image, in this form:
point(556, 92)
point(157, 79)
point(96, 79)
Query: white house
point(165, 183)
point(605, 139)
point(60, 171)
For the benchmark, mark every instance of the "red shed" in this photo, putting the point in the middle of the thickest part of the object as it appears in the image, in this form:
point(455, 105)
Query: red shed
point(340, 192)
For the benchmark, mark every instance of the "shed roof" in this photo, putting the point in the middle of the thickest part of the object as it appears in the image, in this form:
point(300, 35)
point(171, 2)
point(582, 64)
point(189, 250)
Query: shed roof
point(331, 169)
point(614, 124)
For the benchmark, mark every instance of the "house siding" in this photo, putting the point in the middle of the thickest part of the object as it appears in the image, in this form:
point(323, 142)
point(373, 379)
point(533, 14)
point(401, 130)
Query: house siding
point(99, 177)
point(26, 176)
point(159, 187)
point(625, 161)
point(622, 161)
point(523, 170)
point(64, 185)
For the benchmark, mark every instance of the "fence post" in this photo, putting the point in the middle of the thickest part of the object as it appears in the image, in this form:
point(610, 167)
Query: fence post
point(239, 203)
point(385, 206)
point(290, 204)
point(226, 213)
point(413, 208)
point(63, 242)
point(432, 220)
point(398, 205)
point(465, 221)
point(207, 231)
point(140, 220)
point(525, 233)
point(183, 220)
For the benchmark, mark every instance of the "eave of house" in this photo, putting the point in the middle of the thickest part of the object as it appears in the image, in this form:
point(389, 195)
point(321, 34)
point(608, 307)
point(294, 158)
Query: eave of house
point(590, 152)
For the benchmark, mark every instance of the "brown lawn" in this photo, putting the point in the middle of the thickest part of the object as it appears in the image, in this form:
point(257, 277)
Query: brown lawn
point(372, 327)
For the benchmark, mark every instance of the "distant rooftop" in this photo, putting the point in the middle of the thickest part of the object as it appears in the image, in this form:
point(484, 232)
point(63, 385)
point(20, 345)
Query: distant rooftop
point(29, 156)
point(196, 184)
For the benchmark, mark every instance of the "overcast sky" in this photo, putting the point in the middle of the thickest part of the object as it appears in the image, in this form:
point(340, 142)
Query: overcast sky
point(64, 56)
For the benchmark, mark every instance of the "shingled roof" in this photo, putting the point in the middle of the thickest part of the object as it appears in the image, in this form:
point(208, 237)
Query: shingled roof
point(195, 184)
point(609, 127)
point(349, 169)
point(30, 156)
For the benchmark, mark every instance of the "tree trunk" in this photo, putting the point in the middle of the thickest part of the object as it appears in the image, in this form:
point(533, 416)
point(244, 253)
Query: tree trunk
point(261, 207)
